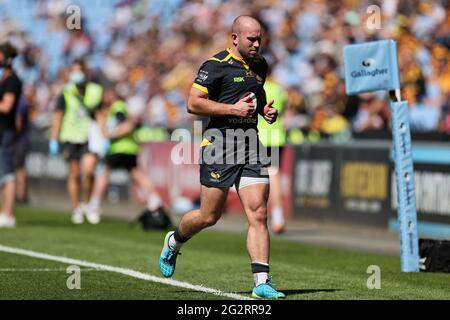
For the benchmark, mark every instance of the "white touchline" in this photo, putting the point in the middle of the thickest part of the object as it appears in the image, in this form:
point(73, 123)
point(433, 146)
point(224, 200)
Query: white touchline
point(40, 270)
point(127, 272)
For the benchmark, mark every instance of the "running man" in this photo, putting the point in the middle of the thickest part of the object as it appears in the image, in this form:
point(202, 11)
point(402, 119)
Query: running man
point(229, 89)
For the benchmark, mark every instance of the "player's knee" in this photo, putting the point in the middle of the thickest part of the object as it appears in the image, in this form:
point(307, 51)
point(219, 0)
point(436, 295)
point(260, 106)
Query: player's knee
point(258, 215)
point(210, 220)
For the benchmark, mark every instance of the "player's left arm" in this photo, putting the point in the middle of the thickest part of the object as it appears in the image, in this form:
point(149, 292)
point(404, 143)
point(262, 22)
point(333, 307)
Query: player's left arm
point(268, 112)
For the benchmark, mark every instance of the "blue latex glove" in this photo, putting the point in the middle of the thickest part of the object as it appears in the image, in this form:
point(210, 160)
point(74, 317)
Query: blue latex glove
point(53, 148)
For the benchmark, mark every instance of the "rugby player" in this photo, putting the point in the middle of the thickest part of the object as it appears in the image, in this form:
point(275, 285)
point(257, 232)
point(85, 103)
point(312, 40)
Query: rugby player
point(229, 89)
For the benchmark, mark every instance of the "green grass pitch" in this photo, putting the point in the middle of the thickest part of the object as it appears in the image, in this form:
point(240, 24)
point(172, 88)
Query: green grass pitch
point(212, 259)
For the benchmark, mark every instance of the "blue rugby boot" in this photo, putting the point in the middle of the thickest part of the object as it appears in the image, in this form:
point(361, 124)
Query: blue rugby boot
point(267, 291)
point(168, 258)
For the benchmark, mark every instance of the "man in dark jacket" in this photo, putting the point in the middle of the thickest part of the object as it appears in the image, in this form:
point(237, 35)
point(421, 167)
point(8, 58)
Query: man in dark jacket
point(10, 91)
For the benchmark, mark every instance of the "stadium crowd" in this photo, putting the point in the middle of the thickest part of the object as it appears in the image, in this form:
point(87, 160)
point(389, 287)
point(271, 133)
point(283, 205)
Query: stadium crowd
point(150, 50)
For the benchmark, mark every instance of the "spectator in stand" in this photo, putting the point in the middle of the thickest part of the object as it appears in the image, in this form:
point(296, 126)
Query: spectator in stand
point(147, 42)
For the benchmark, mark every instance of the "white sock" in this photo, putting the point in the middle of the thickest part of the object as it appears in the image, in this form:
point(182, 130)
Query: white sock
point(78, 210)
point(260, 278)
point(95, 202)
point(4, 214)
point(173, 244)
point(153, 201)
point(277, 215)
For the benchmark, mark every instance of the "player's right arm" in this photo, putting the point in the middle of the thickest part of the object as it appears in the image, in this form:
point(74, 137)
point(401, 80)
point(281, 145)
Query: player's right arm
point(209, 79)
point(199, 104)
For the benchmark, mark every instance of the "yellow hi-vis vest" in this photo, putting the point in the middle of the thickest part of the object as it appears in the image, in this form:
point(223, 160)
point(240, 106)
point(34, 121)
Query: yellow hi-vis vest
point(126, 144)
point(76, 119)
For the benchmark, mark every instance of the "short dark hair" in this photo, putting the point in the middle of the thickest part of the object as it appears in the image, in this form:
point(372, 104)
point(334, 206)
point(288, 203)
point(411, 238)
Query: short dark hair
point(8, 51)
point(80, 62)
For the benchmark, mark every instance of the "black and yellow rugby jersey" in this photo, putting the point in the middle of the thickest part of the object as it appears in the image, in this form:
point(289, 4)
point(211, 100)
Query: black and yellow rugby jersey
point(227, 78)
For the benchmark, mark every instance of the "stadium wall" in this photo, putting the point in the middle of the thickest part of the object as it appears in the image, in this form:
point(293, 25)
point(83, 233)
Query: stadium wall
point(355, 183)
point(349, 183)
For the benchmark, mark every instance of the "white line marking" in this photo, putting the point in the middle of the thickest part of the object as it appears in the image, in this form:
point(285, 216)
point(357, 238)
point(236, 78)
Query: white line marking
point(124, 271)
point(40, 270)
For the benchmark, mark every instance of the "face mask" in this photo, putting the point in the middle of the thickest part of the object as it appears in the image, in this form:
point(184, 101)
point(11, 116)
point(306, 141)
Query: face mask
point(77, 77)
